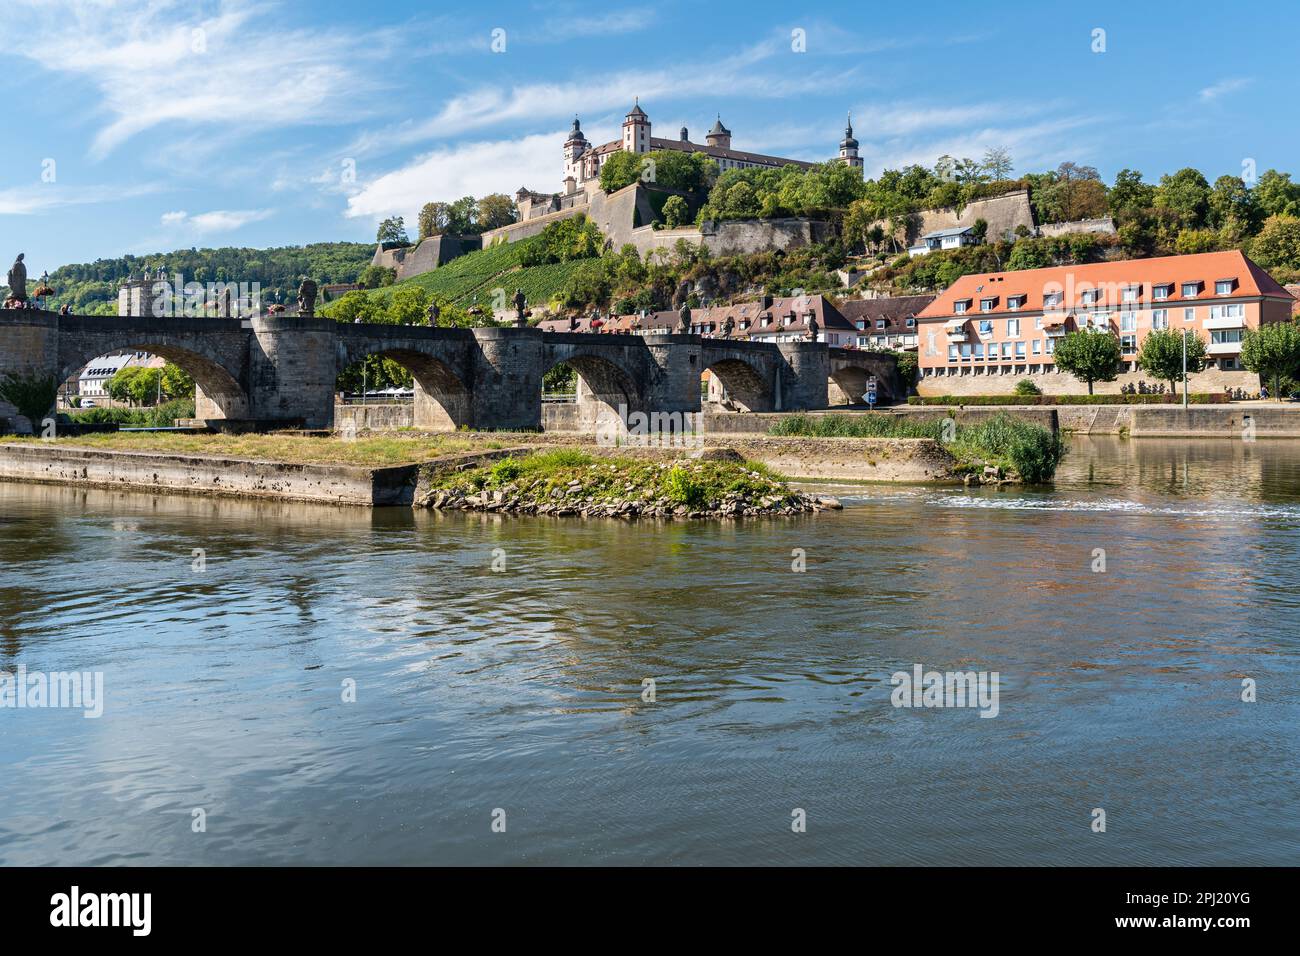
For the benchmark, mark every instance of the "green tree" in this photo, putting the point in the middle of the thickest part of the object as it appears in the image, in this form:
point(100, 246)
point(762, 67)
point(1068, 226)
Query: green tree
point(1277, 195)
point(1273, 352)
point(373, 277)
point(432, 220)
point(1130, 196)
point(120, 386)
point(1090, 355)
point(1232, 207)
point(33, 395)
point(409, 305)
point(392, 229)
point(620, 170)
point(1278, 244)
point(676, 212)
point(1187, 195)
point(176, 382)
point(496, 210)
point(1162, 355)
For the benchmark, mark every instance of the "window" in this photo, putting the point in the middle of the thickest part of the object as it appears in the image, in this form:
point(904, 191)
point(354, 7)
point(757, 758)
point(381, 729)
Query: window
point(979, 350)
point(1191, 290)
point(959, 307)
point(911, 323)
point(1051, 346)
point(986, 305)
point(952, 353)
point(1224, 286)
point(1130, 294)
point(1229, 363)
point(1052, 300)
point(1237, 311)
point(1020, 350)
point(1225, 336)
point(986, 326)
point(1189, 315)
point(1128, 321)
point(1128, 344)
point(1038, 346)
point(1014, 302)
point(1161, 292)
point(880, 323)
point(965, 353)
point(1013, 328)
point(1006, 350)
point(1160, 319)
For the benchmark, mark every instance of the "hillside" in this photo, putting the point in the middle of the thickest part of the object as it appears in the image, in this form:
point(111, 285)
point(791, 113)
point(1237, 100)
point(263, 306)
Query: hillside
point(470, 279)
point(92, 286)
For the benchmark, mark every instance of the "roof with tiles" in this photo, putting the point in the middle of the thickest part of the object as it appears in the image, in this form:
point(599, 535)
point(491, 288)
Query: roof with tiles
point(1108, 279)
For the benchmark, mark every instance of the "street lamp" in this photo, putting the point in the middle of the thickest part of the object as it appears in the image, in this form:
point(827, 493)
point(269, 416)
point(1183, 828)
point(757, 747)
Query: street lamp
point(1185, 331)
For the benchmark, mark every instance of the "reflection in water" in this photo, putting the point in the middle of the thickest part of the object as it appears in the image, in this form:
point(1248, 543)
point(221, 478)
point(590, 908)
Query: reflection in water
point(522, 690)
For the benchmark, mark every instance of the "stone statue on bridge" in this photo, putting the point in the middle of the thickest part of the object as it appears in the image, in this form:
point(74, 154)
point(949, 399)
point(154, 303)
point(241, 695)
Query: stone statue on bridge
point(17, 280)
point(813, 327)
point(435, 313)
point(307, 297)
point(521, 315)
point(684, 319)
point(574, 322)
point(728, 326)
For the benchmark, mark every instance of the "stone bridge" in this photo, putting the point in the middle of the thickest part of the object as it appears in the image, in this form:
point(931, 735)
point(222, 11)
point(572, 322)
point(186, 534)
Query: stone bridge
point(283, 369)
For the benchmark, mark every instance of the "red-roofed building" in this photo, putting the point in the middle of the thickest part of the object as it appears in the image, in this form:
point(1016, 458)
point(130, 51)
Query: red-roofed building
point(1003, 326)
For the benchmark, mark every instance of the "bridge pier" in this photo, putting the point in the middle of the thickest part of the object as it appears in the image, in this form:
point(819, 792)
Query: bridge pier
point(505, 390)
point(293, 368)
point(805, 385)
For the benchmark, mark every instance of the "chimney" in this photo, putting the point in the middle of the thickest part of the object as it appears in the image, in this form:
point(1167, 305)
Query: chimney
point(764, 303)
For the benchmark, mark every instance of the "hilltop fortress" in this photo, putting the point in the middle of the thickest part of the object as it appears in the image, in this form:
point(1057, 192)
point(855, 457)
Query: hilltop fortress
point(627, 216)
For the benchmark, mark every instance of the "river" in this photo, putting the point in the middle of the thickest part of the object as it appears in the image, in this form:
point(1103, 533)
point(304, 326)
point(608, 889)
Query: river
point(515, 696)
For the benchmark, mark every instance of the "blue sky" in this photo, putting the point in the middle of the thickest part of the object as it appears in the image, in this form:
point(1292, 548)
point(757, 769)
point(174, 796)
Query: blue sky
point(150, 125)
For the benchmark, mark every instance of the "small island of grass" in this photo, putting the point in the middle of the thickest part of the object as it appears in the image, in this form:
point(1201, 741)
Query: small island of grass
point(571, 482)
point(1015, 449)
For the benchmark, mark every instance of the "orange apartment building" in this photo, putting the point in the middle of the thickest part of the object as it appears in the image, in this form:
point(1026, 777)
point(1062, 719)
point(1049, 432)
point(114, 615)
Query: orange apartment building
point(988, 331)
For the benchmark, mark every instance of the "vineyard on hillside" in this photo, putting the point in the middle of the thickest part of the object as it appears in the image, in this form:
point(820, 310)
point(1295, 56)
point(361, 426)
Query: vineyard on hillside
point(471, 278)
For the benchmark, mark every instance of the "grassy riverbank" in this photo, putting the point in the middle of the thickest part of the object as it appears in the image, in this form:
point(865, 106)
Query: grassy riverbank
point(376, 452)
point(568, 481)
point(1011, 444)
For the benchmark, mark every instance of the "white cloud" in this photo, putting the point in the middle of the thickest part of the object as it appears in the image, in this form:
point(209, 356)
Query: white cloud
point(219, 220)
point(237, 69)
point(467, 169)
point(1224, 87)
point(766, 70)
point(580, 25)
point(43, 197)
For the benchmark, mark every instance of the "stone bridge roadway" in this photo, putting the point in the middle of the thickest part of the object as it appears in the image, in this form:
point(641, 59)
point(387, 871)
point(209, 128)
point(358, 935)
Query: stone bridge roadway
point(284, 369)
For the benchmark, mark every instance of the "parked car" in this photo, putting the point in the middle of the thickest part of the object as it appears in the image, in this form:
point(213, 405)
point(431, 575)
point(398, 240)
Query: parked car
point(88, 403)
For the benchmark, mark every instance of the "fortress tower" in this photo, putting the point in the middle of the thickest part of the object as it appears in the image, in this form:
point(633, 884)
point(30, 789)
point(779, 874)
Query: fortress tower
point(849, 146)
point(636, 130)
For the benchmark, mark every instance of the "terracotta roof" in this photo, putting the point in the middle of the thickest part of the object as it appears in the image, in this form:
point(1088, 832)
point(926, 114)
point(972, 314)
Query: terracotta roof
point(894, 310)
point(1110, 278)
point(753, 312)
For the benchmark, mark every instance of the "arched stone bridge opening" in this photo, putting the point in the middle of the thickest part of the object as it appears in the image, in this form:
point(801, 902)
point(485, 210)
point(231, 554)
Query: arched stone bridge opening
point(283, 370)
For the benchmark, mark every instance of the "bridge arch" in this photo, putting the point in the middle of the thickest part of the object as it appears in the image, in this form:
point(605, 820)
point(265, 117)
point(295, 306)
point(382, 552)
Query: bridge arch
point(218, 391)
point(849, 384)
point(739, 386)
point(605, 390)
point(442, 400)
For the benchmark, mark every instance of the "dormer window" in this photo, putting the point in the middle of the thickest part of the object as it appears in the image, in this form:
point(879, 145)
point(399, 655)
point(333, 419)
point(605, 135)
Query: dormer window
point(1162, 291)
point(1089, 296)
point(880, 323)
point(960, 306)
point(1129, 294)
point(1053, 300)
point(986, 305)
point(1225, 286)
point(911, 323)
point(1191, 290)
point(1014, 302)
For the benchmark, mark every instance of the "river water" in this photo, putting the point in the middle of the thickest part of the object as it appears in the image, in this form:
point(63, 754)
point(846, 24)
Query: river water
point(516, 696)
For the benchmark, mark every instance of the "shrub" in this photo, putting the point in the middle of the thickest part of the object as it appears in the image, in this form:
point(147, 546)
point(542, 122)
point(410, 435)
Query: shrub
point(681, 487)
point(33, 395)
point(1026, 387)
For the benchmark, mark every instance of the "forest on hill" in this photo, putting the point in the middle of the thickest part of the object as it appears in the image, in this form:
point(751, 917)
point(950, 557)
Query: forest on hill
point(91, 287)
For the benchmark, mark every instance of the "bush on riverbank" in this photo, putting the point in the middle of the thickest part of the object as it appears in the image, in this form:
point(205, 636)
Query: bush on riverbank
point(1004, 442)
point(568, 481)
point(158, 416)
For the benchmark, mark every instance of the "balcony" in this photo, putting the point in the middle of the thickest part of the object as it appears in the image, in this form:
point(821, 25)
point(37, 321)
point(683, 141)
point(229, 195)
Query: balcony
point(1230, 322)
point(1222, 348)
